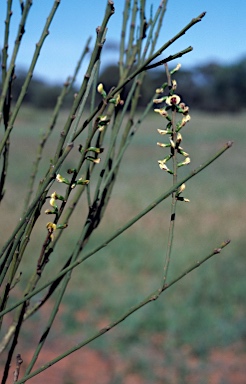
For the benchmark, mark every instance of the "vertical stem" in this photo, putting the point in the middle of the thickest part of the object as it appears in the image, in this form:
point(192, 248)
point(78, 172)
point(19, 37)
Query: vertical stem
point(13, 345)
point(20, 33)
point(174, 201)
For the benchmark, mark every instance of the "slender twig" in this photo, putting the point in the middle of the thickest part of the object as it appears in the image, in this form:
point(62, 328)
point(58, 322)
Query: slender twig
point(130, 43)
point(123, 35)
point(13, 345)
point(95, 56)
point(81, 107)
point(6, 40)
point(39, 45)
point(157, 20)
point(20, 32)
point(7, 101)
point(19, 361)
point(174, 200)
point(49, 323)
point(65, 90)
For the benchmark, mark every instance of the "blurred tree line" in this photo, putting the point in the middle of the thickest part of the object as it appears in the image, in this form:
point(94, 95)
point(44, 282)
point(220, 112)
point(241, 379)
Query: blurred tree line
point(209, 87)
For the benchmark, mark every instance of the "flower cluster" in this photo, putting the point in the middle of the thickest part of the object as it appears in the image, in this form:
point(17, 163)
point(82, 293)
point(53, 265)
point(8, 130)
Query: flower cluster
point(173, 106)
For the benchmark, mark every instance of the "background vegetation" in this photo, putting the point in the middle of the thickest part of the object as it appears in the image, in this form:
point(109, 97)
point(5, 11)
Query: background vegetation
point(211, 87)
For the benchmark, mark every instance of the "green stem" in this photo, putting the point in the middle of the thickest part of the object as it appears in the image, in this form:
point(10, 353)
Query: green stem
point(123, 35)
point(130, 43)
point(174, 200)
point(95, 56)
point(6, 41)
point(29, 74)
point(49, 323)
point(65, 90)
point(9, 73)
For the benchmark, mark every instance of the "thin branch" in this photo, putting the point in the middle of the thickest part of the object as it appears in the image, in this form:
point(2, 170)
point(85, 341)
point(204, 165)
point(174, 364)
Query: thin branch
point(95, 56)
point(39, 45)
point(13, 345)
point(173, 153)
point(21, 31)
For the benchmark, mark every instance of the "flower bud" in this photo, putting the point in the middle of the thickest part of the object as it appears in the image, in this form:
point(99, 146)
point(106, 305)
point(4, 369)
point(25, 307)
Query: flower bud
point(95, 149)
point(53, 200)
point(185, 162)
point(179, 138)
point(163, 167)
point(163, 145)
point(93, 160)
point(178, 66)
point(51, 227)
point(61, 179)
point(159, 101)
point(163, 131)
point(183, 153)
point(174, 84)
point(161, 111)
point(172, 143)
point(101, 90)
point(80, 181)
point(181, 188)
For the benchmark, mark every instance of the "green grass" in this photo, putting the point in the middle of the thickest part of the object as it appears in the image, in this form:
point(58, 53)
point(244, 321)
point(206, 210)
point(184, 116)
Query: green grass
point(204, 310)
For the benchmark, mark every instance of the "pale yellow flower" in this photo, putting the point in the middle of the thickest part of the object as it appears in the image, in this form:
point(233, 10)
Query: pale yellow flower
point(53, 199)
point(181, 188)
point(162, 131)
point(161, 111)
point(163, 145)
point(59, 178)
point(185, 162)
point(174, 84)
point(100, 88)
point(173, 100)
point(158, 101)
point(163, 166)
point(185, 120)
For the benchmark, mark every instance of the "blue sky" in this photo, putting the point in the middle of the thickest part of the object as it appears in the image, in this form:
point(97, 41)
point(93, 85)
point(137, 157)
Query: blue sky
point(218, 37)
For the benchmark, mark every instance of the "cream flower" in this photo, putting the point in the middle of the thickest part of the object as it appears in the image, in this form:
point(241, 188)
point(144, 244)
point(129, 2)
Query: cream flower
point(161, 111)
point(173, 100)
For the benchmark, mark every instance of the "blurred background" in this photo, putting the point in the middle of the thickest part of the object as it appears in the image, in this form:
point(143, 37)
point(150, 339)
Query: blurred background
point(196, 331)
